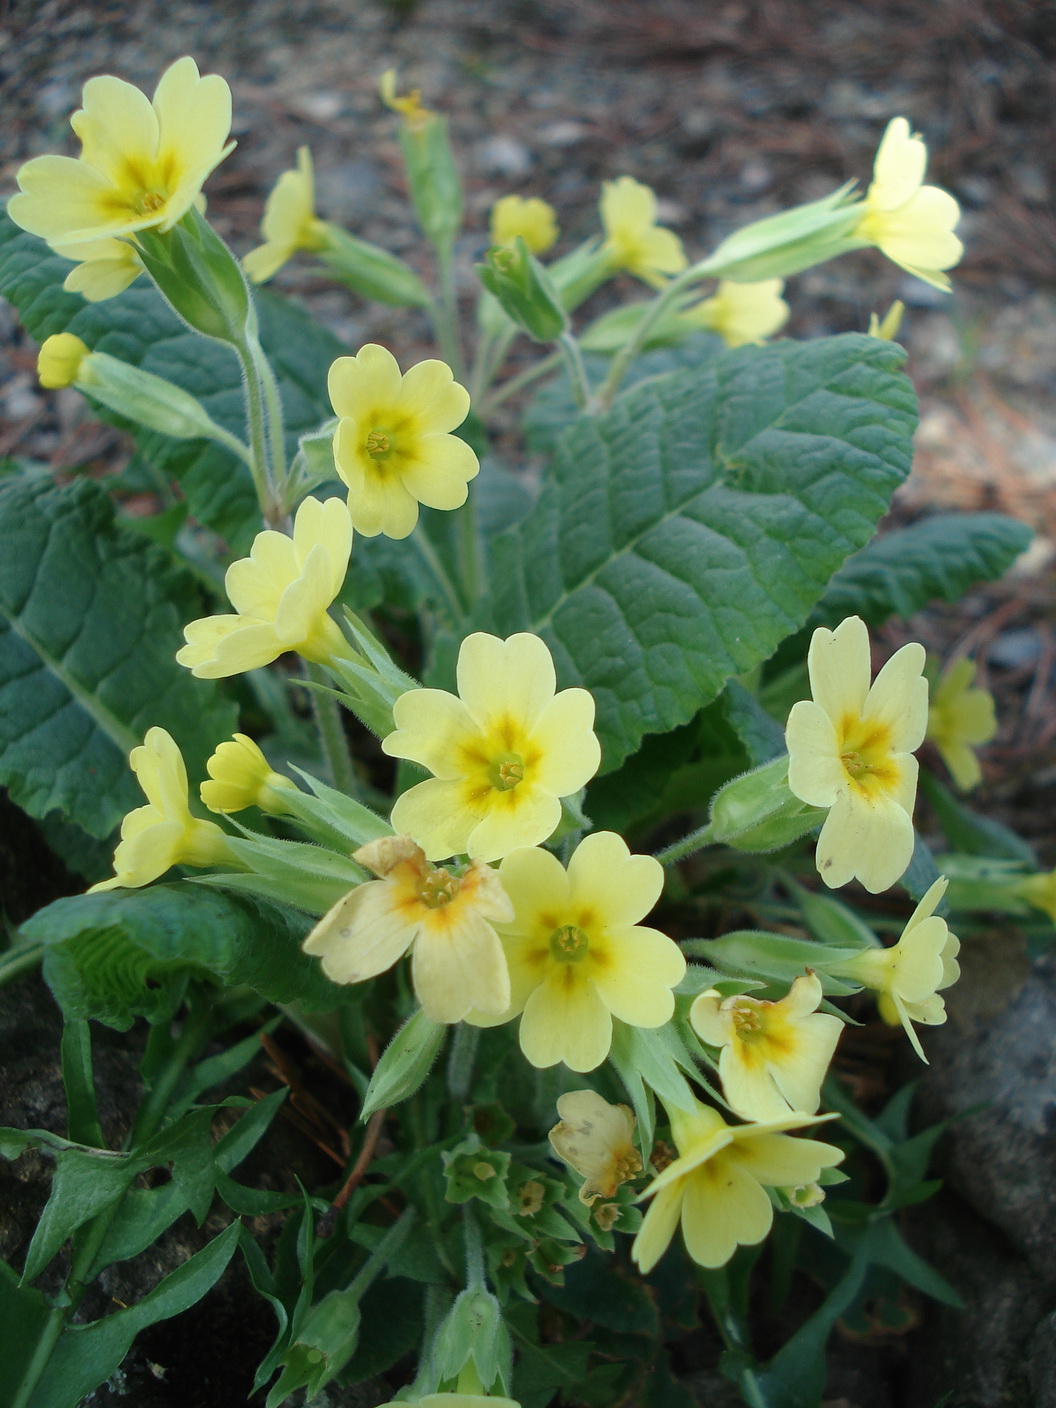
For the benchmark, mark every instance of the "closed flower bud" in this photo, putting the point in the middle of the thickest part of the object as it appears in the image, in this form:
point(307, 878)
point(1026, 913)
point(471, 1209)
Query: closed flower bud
point(59, 360)
point(759, 812)
point(524, 289)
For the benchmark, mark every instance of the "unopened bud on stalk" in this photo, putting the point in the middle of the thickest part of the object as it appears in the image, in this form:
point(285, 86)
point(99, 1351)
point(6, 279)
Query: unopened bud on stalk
point(759, 812)
point(524, 289)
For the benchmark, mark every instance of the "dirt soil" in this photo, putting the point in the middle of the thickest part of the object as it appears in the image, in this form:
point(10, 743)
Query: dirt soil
point(730, 109)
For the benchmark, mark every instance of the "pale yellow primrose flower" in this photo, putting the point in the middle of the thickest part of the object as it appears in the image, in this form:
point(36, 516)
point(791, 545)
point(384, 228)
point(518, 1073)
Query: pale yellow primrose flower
point(578, 955)
point(633, 239)
point(104, 268)
point(743, 313)
point(960, 717)
point(446, 920)
point(289, 222)
point(887, 327)
point(851, 750)
point(392, 446)
point(502, 754)
point(240, 776)
point(281, 592)
point(533, 219)
point(141, 165)
point(59, 360)
point(907, 978)
point(163, 833)
point(597, 1140)
point(909, 222)
point(717, 1185)
point(774, 1054)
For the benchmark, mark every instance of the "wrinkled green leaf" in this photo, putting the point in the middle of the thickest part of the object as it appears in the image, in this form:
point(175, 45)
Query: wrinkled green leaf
point(112, 956)
point(90, 619)
point(690, 529)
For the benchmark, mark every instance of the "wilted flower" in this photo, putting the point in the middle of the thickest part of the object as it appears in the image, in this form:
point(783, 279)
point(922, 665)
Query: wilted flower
point(445, 919)
point(597, 1140)
point(851, 750)
point(502, 754)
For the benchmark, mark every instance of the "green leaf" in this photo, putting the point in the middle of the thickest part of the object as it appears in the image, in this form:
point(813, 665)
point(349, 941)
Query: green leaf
point(938, 558)
point(90, 619)
point(690, 529)
point(83, 1186)
point(82, 1110)
point(601, 1290)
point(87, 1355)
point(139, 328)
point(113, 955)
point(24, 1314)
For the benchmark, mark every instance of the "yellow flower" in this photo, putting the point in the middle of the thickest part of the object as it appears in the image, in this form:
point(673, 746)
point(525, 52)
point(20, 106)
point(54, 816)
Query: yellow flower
point(163, 833)
point(532, 219)
point(774, 1054)
point(851, 750)
point(1039, 891)
point(104, 268)
point(445, 920)
point(717, 1185)
point(597, 1140)
point(633, 240)
point(240, 776)
point(578, 955)
point(289, 222)
point(502, 754)
point(281, 592)
point(742, 313)
point(909, 222)
point(907, 977)
point(59, 360)
point(414, 115)
point(886, 328)
point(958, 718)
point(392, 446)
point(141, 163)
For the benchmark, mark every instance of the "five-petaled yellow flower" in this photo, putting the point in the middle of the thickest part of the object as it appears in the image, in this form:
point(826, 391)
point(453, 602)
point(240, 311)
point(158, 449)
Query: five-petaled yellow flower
point(142, 163)
point(959, 718)
point(742, 313)
point(281, 593)
point(717, 1185)
point(163, 833)
point(851, 750)
point(533, 219)
point(774, 1054)
point(597, 1140)
point(909, 222)
point(502, 754)
point(578, 955)
point(446, 920)
point(908, 977)
point(289, 223)
point(240, 776)
point(393, 446)
point(633, 239)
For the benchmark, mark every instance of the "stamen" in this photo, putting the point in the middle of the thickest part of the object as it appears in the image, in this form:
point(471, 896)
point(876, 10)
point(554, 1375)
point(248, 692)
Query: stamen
point(506, 771)
point(378, 445)
point(438, 888)
point(569, 944)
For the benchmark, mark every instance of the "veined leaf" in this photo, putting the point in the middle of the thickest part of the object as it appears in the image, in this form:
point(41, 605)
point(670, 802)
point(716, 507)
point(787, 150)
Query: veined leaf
point(90, 619)
point(113, 955)
point(690, 529)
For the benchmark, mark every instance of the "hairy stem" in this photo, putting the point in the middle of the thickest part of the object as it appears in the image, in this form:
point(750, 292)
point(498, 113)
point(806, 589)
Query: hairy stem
point(332, 735)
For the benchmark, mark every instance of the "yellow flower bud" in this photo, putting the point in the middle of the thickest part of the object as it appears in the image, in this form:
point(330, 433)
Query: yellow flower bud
point(59, 360)
point(240, 776)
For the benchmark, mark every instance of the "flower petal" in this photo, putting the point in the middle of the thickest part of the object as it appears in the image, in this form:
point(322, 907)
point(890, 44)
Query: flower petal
point(724, 1207)
point(432, 727)
point(526, 816)
point(440, 471)
point(838, 663)
point(356, 384)
point(871, 838)
point(640, 969)
point(781, 1161)
point(661, 1220)
point(431, 394)
point(569, 748)
point(619, 888)
point(498, 678)
point(460, 967)
point(898, 698)
point(815, 770)
point(435, 814)
point(565, 1020)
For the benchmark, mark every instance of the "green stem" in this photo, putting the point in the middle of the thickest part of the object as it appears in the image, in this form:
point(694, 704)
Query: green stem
point(383, 1252)
point(678, 850)
point(461, 1060)
point(276, 427)
point(577, 372)
point(18, 960)
point(520, 381)
point(258, 444)
point(445, 313)
point(467, 546)
point(475, 1279)
point(49, 1338)
point(332, 735)
point(626, 355)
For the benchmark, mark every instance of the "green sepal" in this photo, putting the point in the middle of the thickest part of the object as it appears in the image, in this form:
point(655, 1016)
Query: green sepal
point(527, 294)
point(371, 270)
point(404, 1063)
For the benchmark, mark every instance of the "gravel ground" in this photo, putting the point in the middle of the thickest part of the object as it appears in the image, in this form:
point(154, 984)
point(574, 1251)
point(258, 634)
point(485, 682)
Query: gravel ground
point(730, 109)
